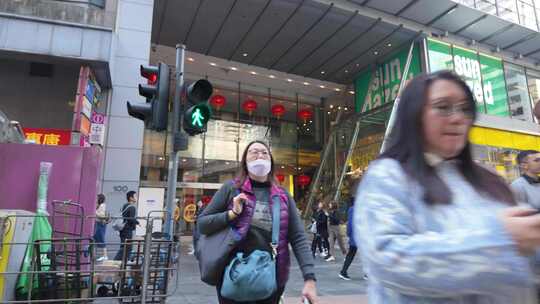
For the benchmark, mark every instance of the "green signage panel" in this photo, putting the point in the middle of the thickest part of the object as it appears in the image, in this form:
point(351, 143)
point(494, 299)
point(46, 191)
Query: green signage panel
point(494, 85)
point(385, 81)
point(484, 74)
point(440, 55)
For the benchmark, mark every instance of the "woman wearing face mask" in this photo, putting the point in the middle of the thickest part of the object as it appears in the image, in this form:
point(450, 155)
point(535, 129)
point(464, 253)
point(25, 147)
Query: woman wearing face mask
point(433, 226)
point(250, 214)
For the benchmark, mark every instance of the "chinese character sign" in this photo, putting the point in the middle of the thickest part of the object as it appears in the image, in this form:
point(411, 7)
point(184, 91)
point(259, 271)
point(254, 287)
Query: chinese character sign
point(51, 137)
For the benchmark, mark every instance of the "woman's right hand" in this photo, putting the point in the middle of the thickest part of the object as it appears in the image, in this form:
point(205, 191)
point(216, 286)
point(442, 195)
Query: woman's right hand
point(238, 203)
point(523, 224)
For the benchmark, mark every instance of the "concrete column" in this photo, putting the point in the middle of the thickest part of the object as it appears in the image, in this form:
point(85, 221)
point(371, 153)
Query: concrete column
point(123, 148)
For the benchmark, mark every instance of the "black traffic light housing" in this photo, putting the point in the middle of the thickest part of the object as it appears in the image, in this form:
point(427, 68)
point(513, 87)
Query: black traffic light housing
point(198, 112)
point(154, 112)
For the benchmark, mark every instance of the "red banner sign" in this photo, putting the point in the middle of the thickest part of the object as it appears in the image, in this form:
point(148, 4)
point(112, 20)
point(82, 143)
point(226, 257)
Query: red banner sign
point(53, 137)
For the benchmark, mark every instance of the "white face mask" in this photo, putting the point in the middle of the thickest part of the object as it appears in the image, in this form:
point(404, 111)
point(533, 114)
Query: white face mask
point(259, 167)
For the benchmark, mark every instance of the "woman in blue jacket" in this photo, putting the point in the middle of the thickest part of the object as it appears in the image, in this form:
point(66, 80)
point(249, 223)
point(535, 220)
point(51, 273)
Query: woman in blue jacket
point(436, 227)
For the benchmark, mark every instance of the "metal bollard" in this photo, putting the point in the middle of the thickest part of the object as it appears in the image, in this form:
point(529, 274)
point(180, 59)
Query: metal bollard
point(147, 259)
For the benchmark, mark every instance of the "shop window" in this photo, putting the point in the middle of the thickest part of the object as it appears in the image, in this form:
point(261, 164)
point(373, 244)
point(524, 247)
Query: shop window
point(533, 80)
point(526, 15)
point(499, 160)
point(153, 160)
point(508, 10)
point(487, 6)
point(518, 96)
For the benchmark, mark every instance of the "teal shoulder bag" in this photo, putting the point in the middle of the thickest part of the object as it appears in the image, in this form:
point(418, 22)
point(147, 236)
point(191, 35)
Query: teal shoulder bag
point(253, 278)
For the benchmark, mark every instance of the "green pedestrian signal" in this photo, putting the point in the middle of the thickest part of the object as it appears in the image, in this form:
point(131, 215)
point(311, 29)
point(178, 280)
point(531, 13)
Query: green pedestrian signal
point(196, 118)
point(198, 112)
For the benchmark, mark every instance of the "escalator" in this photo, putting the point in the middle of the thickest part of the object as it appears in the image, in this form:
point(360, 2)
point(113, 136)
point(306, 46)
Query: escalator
point(353, 143)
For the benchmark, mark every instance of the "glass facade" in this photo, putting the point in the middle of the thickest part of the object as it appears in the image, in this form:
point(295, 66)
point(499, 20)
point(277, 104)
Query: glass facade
point(523, 12)
point(289, 123)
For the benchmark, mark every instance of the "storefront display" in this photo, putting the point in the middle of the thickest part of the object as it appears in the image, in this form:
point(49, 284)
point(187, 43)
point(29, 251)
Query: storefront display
point(497, 149)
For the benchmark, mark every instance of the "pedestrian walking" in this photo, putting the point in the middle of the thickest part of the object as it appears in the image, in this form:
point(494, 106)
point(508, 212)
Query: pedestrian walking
point(321, 237)
point(527, 187)
point(436, 227)
point(316, 241)
point(352, 244)
point(100, 228)
point(129, 214)
point(246, 204)
point(334, 232)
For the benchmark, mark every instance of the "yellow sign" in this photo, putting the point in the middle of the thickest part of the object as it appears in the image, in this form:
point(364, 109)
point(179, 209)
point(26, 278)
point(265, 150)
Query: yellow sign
point(189, 213)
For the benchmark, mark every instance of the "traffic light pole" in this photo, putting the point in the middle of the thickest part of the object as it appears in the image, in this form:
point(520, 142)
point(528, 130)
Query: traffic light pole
point(176, 129)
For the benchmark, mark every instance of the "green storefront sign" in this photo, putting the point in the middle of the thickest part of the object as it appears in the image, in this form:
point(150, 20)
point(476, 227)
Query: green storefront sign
point(483, 73)
point(385, 81)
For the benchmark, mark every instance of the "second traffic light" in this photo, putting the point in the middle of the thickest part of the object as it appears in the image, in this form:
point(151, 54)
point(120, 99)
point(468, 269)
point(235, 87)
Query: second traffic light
point(198, 112)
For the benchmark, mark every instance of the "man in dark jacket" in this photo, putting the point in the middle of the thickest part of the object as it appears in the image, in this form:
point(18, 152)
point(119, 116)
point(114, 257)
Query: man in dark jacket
point(352, 244)
point(129, 213)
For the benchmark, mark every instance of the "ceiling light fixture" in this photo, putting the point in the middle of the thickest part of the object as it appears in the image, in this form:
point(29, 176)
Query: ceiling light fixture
point(253, 73)
point(322, 86)
point(213, 64)
point(306, 83)
point(331, 106)
point(289, 80)
point(245, 54)
point(351, 92)
point(272, 76)
point(337, 89)
point(234, 68)
point(375, 53)
point(346, 71)
point(190, 59)
point(346, 109)
point(389, 45)
point(184, 160)
point(322, 72)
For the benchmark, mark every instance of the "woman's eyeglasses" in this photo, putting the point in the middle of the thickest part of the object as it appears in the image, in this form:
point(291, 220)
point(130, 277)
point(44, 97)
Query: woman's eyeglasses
point(446, 109)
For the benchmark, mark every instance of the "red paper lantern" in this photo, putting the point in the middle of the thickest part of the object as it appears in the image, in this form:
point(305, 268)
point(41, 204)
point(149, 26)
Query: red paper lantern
point(303, 180)
point(249, 106)
point(218, 101)
point(280, 178)
point(278, 110)
point(305, 114)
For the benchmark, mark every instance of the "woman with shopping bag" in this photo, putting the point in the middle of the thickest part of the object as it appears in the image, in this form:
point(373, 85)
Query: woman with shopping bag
point(245, 235)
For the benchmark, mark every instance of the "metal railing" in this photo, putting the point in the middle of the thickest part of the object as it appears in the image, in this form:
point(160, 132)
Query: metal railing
point(60, 11)
point(67, 270)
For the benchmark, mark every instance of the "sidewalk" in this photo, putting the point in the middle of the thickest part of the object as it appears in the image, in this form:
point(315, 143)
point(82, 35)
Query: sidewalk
point(331, 289)
point(352, 299)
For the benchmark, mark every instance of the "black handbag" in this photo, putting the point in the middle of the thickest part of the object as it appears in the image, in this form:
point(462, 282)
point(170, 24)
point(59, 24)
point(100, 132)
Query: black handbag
point(213, 252)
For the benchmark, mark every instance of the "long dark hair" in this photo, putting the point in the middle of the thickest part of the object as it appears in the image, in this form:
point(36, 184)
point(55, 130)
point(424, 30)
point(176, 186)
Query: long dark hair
point(407, 146)
point(243, 172)
point(100, 200)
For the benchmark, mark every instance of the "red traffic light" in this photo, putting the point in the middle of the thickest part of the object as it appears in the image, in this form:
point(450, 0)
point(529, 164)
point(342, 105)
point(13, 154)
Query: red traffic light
point(150, 73)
